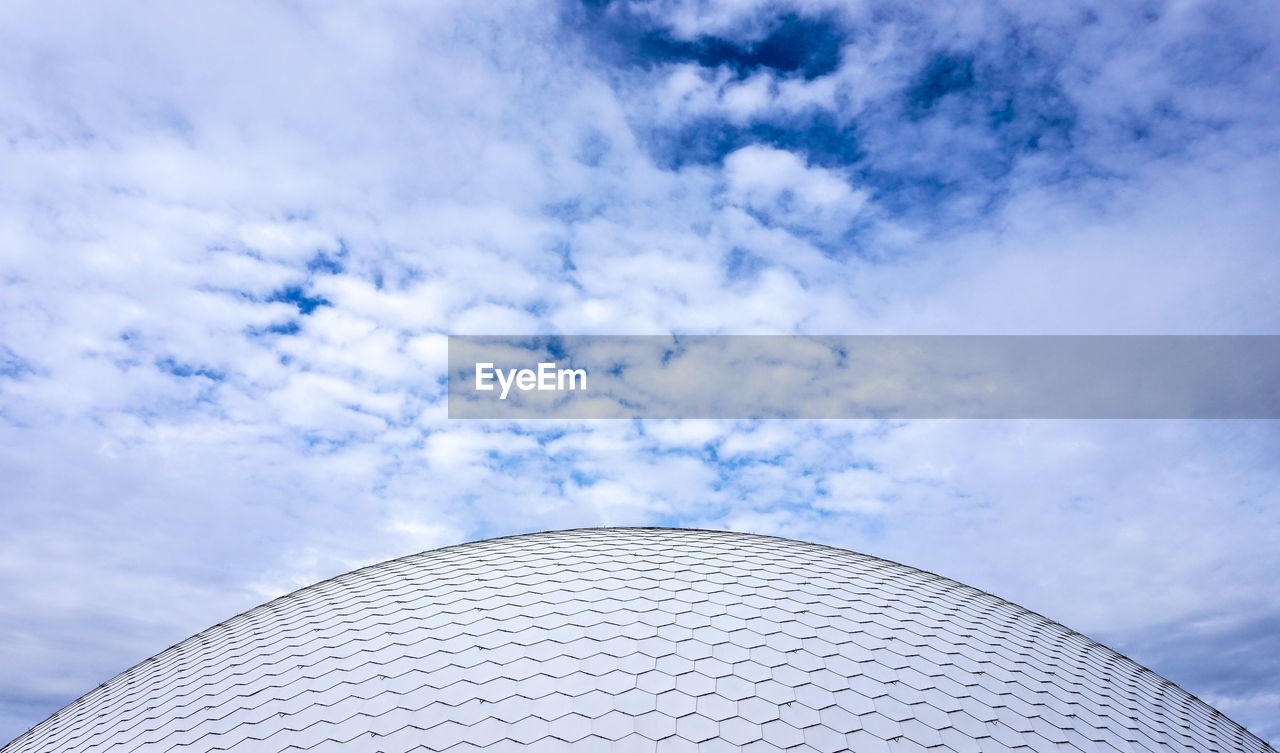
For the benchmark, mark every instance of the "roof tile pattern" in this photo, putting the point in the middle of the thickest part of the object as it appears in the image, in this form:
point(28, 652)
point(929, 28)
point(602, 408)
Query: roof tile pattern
point(638, 640)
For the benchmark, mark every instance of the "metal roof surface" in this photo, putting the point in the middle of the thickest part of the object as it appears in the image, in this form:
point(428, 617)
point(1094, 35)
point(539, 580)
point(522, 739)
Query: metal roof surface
point(625, 639)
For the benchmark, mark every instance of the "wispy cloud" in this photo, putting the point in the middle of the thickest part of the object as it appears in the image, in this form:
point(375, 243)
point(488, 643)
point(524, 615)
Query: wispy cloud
point(232, 241)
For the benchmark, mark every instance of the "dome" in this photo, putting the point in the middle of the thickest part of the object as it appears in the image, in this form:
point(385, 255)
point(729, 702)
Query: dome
point(638, 640)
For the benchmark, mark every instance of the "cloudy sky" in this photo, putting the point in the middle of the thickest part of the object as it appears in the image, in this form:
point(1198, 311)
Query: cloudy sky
point(233, 238)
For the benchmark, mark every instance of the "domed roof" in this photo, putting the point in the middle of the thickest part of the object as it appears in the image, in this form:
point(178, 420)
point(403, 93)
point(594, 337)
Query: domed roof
point(638, 639)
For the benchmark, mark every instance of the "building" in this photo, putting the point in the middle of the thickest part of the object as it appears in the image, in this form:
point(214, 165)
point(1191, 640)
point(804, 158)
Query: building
point(638, 640)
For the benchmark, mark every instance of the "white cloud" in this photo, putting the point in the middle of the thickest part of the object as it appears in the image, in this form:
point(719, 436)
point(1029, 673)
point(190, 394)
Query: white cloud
point(464, 169)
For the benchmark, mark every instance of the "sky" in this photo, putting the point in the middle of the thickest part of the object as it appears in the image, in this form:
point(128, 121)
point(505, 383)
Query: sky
point(234, 238)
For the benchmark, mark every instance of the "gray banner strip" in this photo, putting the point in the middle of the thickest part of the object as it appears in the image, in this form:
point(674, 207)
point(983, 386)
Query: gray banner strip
point(856, 376)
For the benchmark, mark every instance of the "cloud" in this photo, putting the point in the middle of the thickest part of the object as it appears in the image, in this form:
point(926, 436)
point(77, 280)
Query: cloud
point(232, 239)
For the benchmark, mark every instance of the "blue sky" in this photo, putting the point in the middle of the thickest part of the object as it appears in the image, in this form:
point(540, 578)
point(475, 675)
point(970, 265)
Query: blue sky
point(233, 239)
